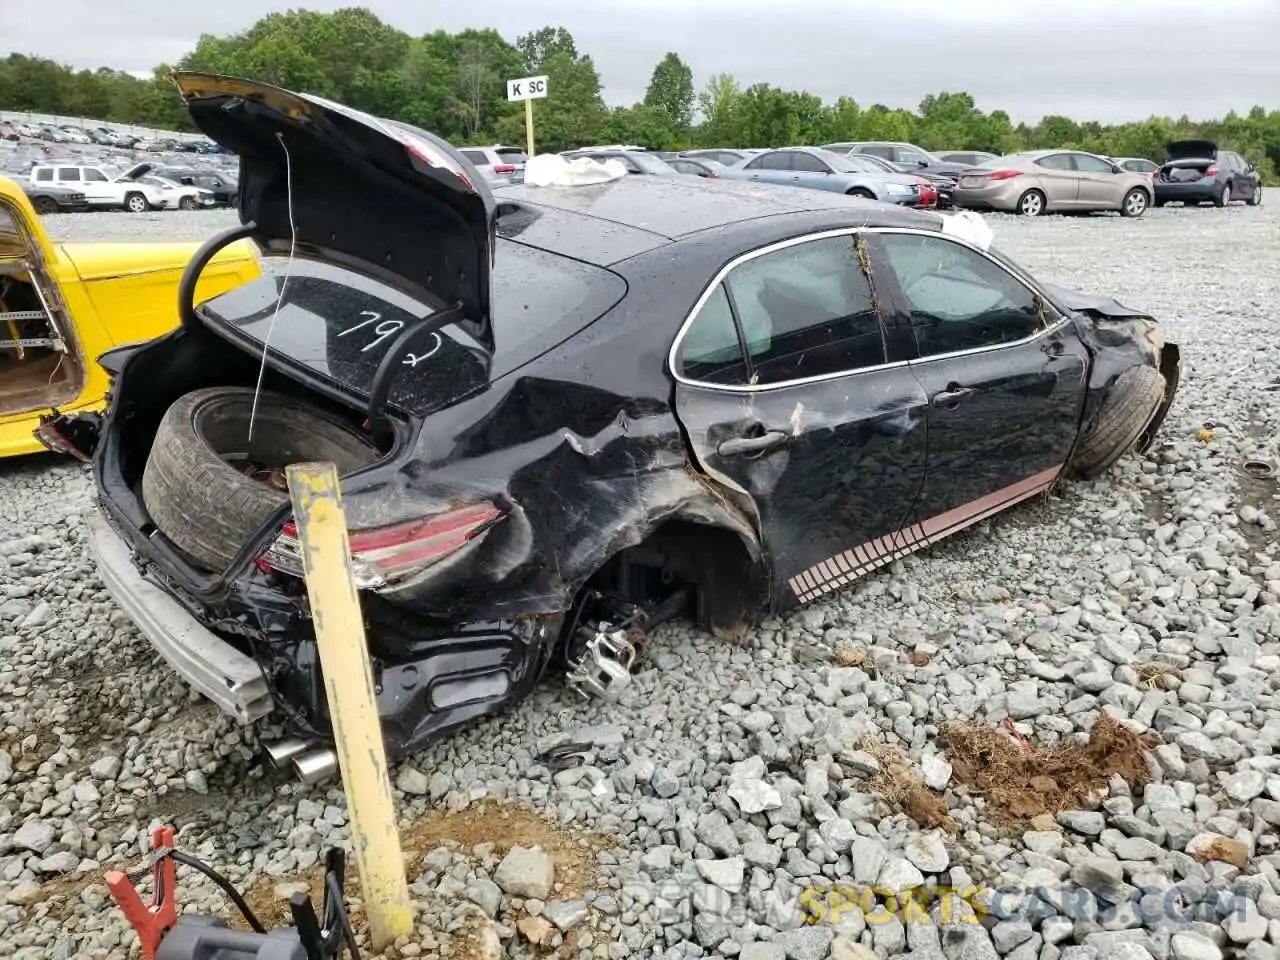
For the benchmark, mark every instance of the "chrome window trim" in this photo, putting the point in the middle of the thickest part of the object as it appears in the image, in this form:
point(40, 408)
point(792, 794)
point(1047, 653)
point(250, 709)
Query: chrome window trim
point(672, 354)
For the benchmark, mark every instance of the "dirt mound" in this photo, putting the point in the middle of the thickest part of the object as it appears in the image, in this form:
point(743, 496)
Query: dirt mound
point(1020, 780)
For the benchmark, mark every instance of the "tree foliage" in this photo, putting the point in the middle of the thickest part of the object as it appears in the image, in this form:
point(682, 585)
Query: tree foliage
point(455, 85)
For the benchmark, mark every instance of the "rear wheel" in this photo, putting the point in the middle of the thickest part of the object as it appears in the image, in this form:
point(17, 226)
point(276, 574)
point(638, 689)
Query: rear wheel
point(136, 203)
point(1256, 199)
point(208, 487)
point(1135, 203)
point(1222, 199)
point(860, 192)
point(1032, 204)
point(1126, 410)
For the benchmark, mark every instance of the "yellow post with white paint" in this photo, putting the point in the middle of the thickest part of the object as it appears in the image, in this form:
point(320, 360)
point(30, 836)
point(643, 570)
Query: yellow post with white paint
point(348, 678)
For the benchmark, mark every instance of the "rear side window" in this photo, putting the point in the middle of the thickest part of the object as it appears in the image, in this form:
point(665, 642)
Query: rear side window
point(1055, 161)
point(44, 176)
point(69, 174)
point(1087, 164)
point(878, 150)
point(803, 311)
point(710, 351)
point(476, 156)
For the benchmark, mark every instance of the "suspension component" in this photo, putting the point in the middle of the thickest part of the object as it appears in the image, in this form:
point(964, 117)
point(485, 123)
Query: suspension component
point(600, 665)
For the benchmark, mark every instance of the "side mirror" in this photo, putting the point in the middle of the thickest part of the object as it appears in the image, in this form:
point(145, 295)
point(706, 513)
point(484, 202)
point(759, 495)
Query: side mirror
point(922, 163)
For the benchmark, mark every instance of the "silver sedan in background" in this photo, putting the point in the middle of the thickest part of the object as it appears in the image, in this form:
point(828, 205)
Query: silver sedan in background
point(1053, 181)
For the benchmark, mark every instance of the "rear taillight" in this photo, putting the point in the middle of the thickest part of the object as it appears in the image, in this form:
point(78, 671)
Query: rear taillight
point(503, 168)
point(384, 555)
point(1211, 172)
point(1003, 174)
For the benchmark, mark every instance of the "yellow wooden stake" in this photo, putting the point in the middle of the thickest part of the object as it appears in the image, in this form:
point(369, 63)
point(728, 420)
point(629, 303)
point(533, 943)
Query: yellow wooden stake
point(528, 127)
point(348, 678)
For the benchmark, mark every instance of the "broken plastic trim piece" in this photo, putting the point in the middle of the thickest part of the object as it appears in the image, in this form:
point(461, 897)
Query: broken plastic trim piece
point(604, 667)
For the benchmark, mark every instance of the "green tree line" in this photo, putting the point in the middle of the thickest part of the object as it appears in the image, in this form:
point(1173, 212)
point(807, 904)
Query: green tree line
point(455, 85)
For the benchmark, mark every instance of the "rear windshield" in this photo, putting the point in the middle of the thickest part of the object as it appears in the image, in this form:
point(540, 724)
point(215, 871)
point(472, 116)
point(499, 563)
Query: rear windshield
point(338, 323)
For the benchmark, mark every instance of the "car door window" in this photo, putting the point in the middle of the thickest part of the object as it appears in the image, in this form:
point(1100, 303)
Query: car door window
point(807, 311)
point(710, 350)
point(69, 174)
point(883, 151)
point(912, 155)
point(1055, 161)
point(959, 299)
point(1087, 164)
point(95, 176)
point(808, 163)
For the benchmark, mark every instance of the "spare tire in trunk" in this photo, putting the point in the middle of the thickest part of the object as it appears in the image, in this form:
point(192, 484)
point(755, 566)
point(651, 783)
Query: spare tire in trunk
point(208, 488)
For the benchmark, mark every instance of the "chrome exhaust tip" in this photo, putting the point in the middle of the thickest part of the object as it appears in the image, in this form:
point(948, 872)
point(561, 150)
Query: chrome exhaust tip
point(316, 765)
point(282, 751)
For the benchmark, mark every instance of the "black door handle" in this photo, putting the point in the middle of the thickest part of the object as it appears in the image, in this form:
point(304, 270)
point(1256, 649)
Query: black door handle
point(950, 398)
point(739, 446)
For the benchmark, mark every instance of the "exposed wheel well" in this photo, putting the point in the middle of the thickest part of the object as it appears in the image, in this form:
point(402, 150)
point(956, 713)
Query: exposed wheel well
point(729, 584)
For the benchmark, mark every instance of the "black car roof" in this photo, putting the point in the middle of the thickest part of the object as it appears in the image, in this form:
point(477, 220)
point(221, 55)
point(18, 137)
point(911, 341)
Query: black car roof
point(608, 222)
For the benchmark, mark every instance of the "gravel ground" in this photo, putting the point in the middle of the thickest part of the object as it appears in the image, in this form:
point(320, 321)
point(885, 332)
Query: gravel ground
point(732, 777)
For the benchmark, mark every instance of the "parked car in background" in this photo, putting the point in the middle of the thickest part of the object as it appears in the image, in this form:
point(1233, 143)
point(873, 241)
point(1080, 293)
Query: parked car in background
point(498, 161)
point(1196, 171)
point(908, 158)
point(941, 187)
point(636, 161)
point(104, 187)
point(1137, 165)
point(820, 169)
point(75, 135)
point(50, 198)
point(638, 404)
point(722, 155)
point(223, 186)
point(8, 131)
point(968, 157)
point(1053, 181)
point(52, 134)
point(695, 166)
point(27, 130)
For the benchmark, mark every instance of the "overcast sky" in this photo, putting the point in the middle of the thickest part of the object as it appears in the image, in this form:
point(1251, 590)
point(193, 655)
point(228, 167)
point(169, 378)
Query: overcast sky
point(1088, 59)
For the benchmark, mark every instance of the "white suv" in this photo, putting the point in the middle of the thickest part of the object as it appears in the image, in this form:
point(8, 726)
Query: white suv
point(103, 188)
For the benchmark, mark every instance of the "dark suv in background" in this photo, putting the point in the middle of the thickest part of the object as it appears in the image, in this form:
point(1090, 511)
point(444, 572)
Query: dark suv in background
point(1196, 171)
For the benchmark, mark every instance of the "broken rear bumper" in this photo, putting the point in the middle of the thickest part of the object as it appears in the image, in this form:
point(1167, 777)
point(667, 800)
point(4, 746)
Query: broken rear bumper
point(208, 663)
point(429, 677)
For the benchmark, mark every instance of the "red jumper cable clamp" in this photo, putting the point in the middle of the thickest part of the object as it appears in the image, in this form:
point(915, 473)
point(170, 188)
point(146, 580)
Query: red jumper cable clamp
point(149, 921)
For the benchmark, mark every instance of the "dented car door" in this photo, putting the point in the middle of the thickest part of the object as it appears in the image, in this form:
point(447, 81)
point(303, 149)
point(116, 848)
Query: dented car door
point(794, 390)
point(1004, 373)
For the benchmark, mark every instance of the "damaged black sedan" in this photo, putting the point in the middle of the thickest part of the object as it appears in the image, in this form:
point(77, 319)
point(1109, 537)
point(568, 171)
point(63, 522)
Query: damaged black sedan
point(564, 414)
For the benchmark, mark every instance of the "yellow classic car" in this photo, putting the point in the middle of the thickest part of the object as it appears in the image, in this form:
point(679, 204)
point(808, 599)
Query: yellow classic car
point(63, 305)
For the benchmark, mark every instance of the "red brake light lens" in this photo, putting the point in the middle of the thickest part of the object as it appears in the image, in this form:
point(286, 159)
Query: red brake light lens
point(1003, 174)
point(503, 168)
point(384, 555)
point(1211, 172)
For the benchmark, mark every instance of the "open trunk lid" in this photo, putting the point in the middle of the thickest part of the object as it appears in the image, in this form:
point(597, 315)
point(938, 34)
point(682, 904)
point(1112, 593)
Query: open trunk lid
point(338, 185)
point(1191, 150)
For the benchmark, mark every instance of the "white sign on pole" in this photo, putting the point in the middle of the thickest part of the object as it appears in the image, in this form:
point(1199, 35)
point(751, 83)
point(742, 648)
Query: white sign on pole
point(527, 88)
